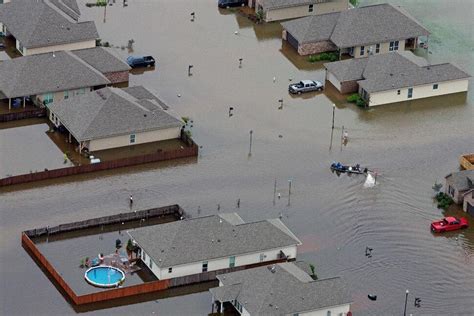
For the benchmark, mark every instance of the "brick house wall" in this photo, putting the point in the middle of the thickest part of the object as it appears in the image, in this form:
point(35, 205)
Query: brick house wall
point(117, 77)
point(316, 48)
point(349, 86)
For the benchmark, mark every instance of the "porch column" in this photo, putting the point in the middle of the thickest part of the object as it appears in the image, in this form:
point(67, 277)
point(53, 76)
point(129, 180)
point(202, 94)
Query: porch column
point(70, 138)
point(222, 308)
point(9, 104)
point(24, 102)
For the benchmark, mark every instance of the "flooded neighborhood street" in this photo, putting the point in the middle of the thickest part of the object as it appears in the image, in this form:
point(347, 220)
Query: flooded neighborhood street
point(411, 145)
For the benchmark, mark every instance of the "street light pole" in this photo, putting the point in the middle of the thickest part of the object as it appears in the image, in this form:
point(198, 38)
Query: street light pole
point(406, 299)
point(333, 112)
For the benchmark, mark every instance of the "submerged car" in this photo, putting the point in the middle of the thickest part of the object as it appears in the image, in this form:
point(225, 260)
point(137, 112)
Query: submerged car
point(231, 3)
point(305, 86)
point(449, 224)
point(141, 61)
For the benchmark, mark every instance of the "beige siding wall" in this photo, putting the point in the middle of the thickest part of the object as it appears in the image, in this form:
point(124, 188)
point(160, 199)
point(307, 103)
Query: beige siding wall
point(140, 138)
point(223, 263)
point(59, 96)
point(384, 48)
point(332, 79)
point(423, 91)
point(55, 48)
point(301, 11)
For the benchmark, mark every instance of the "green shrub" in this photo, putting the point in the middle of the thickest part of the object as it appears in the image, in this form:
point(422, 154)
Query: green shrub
point(444, 200)
point(353, 98)
point(355, 3)
point(360, 102)
point(332, 56)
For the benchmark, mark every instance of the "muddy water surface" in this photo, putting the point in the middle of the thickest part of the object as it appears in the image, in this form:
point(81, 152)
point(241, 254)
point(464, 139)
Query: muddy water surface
point(412, 145)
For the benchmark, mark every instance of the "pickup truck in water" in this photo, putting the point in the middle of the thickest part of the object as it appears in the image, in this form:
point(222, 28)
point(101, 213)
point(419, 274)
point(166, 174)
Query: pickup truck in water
point(448, 224)
point(140, 61)
point(305, 86)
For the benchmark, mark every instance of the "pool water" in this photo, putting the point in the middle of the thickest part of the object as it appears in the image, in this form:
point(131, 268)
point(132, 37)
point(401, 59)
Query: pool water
point(104, 276)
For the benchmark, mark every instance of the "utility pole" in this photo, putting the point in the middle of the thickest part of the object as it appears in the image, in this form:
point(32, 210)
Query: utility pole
point(250, 148)
point(289, 191)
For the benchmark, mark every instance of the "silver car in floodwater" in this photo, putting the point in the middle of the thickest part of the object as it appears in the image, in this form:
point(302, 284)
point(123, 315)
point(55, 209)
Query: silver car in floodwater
point(305, 86)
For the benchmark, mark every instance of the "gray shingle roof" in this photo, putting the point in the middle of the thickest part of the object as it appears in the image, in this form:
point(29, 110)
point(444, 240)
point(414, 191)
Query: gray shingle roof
point(312, 28)
point(109, 112)
point(206, 238)
point(44, 73)
point(372, 24)
point(459, 180)
point(285, 291)
point(392, 71)
point(103, 59)
point(347, 70)
point(279, 4)
point(40, 23)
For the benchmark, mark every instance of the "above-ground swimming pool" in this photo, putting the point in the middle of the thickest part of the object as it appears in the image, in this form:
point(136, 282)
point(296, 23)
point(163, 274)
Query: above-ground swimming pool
point(104, 276)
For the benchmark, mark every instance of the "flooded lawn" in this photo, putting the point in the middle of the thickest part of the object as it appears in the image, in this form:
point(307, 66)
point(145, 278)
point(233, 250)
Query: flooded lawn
point(28, 149)
point(411, 145)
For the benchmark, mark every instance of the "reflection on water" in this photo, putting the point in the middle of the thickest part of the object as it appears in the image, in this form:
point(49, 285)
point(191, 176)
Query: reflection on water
point(411, 145)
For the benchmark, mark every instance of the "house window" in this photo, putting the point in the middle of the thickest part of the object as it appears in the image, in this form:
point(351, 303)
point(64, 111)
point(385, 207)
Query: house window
point(52, 117)
point(329, 313)
point(204, 266)
point(144, 256)
point(435, 86)
point(151, 264)
point(399, 91)
point(393, 46)
point(232, 262)
point(82, 91)
point(410, 93)
point(310, 8)
point(262, 257)
point(47, 98)
point(170, 270)
point(377, 48)
point(451, 191)
point(132, 139)
point(66, 95)
point(362, 50)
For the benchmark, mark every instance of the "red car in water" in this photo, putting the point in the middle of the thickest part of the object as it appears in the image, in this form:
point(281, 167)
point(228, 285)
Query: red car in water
point(449, 223)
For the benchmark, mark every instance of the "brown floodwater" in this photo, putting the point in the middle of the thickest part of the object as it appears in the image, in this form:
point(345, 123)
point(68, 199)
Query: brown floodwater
point(411, 145)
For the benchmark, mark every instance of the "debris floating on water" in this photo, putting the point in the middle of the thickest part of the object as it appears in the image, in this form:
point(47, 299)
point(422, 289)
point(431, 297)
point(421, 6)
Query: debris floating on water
point(372, 297)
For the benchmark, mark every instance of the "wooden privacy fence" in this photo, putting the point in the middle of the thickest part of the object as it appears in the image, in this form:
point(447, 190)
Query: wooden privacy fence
point(7, 117)
point(190, 151)
point(110, 294)
point(173, 210)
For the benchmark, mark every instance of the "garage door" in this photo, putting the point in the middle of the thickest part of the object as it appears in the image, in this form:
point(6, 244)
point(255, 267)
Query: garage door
point(293, 42)
point(470, 209)
point(332, 79)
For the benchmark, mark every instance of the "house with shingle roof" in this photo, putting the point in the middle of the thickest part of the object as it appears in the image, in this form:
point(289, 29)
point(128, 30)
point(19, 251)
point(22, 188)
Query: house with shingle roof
point(212, 243)
point(281, 289)
point(113, 117)
point(395, 77)
point(41, 26)
point(369, 30)
point(49, 77)
point(276, 10)
point(458, 184)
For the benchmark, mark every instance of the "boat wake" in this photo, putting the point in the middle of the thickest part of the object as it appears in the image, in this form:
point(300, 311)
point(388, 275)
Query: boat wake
point(369, 181)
